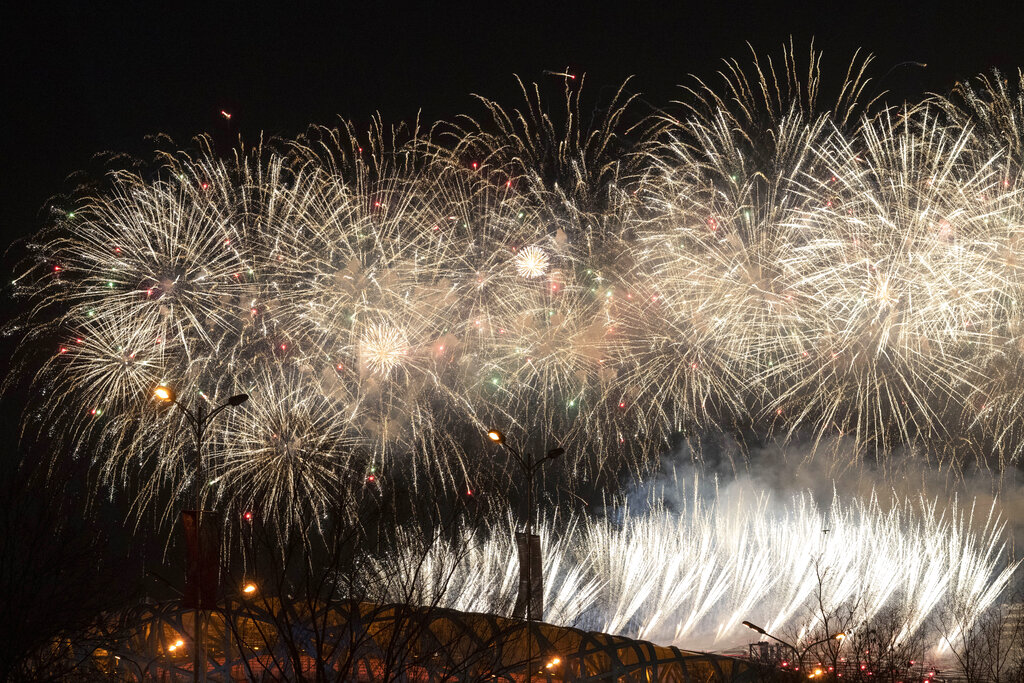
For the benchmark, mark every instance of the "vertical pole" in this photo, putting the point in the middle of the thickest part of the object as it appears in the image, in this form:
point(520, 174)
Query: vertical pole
point(199, 656)
point(529, 568)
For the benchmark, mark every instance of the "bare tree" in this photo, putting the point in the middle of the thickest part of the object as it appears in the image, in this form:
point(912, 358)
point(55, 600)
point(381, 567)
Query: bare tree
point(885, 648)
point(988, 648)
point(844, 642)
point(56, 578)
point(817, 646)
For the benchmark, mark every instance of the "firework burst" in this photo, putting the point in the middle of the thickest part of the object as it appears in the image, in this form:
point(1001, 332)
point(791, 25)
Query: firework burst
point(762, 261)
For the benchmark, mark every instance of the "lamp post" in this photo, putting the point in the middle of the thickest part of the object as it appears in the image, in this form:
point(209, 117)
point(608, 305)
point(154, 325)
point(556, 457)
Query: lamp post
point(798, 653)
point(199, 420)
point(530, 467)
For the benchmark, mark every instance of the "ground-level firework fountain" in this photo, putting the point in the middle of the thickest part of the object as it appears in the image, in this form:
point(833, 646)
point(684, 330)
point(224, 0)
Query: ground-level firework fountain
point(692, 574)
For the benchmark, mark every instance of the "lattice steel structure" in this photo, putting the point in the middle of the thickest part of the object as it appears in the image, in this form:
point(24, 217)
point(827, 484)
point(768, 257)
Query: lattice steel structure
point(267, 639)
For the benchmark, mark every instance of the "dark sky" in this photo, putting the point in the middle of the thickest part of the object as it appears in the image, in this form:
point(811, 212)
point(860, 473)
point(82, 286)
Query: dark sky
point(86, 77)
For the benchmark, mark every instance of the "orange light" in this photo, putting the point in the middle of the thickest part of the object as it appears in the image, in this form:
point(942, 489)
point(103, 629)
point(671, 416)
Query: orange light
point(555, 661)
point(164, 393)
point(496, 436)
point(249, 588)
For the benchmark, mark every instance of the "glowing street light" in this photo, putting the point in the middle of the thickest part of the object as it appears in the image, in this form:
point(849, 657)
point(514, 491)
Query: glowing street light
point(249, 588)
point(530, 468)
point(200, 420)
point(164, 393)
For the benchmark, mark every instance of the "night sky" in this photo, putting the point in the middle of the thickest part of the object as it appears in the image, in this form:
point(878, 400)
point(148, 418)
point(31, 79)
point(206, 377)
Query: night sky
point(88, 77)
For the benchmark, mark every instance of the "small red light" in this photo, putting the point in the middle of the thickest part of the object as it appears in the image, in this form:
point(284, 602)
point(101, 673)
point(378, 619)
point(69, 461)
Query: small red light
point(284, 347)
point(63, 349)
point(474, 165)
point(372, 478)
point(205, 186)
point(248, 516)
point(622, 404)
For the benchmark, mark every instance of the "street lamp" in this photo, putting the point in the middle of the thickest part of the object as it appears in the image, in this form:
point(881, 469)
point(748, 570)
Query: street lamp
point(530, 467)
point(199, 420)
point(164, 393)
point(799, 654)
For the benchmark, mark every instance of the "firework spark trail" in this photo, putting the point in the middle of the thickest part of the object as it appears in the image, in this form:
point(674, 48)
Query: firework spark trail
point(763, 260)
point(691, 575)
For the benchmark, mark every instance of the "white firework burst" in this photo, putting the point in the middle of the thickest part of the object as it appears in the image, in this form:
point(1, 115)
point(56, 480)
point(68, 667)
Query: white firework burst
point(382, 348)
point(532, 261)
